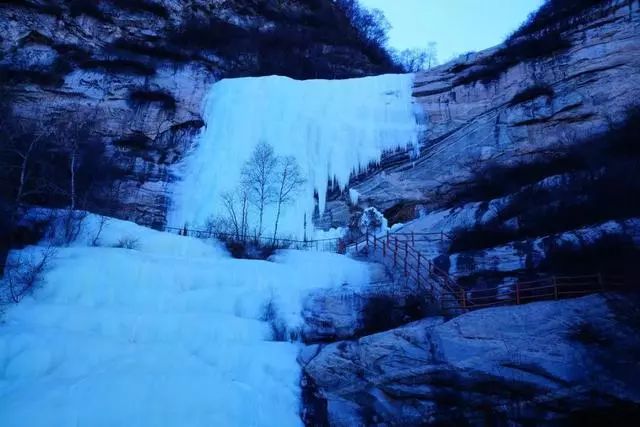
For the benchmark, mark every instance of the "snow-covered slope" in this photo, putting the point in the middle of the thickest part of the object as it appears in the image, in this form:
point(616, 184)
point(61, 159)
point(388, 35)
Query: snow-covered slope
point(169, 333)
point(332, 127)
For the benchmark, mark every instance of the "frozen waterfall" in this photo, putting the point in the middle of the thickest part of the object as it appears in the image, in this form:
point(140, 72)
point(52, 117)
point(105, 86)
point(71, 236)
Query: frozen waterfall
point(332, 127)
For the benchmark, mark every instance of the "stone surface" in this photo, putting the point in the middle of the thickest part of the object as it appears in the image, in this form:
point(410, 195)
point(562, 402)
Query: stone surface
point(529, 254)
point(469, 126)
point(542, 361)
point(58, 63)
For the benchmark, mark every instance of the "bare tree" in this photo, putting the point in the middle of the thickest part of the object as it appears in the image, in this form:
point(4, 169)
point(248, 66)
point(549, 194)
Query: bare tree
point(23, 274)
point(258, 177)
point(372, 25)
point(236, 204)
point(243, 193)
point(21, 149)
point(73, 168)
point(415, 60)
point(229, 201)
point(289, 179)
point(74, 137)
point(102, 222)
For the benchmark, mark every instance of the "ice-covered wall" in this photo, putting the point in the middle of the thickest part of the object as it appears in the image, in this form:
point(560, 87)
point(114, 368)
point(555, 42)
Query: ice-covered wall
point(332, 127)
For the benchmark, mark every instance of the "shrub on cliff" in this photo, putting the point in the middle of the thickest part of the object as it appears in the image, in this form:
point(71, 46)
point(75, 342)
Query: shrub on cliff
point(87, 8)
point(52, 75)
point(208, 32)
point(610, 253)
point(542, 35)
point(148, 6)
point(371, 29)
point(119, 66)
point(147, 96)
point(593, 181)
point(557, 15)
point(531, 93)
point(618, 144)
point(513, 52)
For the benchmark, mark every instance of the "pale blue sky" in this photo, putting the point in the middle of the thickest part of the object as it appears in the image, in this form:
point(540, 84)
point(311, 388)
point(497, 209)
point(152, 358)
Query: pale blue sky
point(458, 26)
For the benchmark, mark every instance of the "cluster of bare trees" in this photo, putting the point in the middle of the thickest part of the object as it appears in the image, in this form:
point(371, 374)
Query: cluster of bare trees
point(56, 163)
point(418, 59)
point(267, 180)
point(59, 163)
point(373, 28)
point(372, 25)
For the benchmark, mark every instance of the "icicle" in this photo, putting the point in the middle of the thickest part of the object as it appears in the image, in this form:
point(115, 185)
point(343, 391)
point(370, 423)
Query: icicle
point(333, 127)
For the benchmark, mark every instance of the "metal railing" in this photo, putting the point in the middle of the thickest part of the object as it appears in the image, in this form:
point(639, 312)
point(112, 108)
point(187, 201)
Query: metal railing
point(421, 273)
point(398, 250)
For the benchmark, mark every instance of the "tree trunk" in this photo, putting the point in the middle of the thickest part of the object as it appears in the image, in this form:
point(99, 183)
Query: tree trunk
point(73, 180)
point(275, 230)
point(261, 215)
point(245, 215)
point(23, 173)
point(280, 200)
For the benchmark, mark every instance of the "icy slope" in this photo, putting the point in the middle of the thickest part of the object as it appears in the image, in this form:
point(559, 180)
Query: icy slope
point(332, 127)
point(165, 335)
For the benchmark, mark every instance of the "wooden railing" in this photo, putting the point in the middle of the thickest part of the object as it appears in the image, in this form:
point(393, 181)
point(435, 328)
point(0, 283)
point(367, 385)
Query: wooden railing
point(416, 270)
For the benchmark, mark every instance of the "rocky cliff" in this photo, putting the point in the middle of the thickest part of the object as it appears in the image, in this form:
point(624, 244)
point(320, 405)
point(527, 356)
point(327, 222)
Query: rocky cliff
point(530, 109)
point(528, 164)
point(137, 71)
point(523, 142)
point(549, 363)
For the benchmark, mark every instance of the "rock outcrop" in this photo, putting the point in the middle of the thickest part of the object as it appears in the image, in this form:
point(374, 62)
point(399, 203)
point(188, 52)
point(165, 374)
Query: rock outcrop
point(138, 71)
point(549, 362)
point(503, 122)
point(519, 159)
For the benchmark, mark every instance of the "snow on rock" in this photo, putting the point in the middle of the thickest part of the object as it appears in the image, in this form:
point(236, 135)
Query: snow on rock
point(169, 333)
point(373, 221)
point(354, 196)
point(332, 127)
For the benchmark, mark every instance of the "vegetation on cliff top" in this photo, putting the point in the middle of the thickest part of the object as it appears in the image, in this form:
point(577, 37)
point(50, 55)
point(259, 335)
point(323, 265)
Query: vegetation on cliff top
point(542, 35)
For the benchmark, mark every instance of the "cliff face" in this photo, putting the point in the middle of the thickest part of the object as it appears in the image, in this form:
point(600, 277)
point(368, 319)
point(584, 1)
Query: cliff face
point(529, 110)
point(527, 365)
point(137, 71)
point(522, 155)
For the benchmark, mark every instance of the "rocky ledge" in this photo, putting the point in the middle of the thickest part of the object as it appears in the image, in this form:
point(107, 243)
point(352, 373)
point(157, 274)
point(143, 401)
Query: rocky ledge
point(545, 363)
point(531, 109)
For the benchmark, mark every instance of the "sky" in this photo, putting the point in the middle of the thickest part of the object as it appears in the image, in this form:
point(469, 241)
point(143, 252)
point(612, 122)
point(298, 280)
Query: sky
point(457, 26)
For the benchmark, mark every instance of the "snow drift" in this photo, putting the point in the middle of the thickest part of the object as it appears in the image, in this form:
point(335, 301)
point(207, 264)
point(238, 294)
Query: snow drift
point(332, 127)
